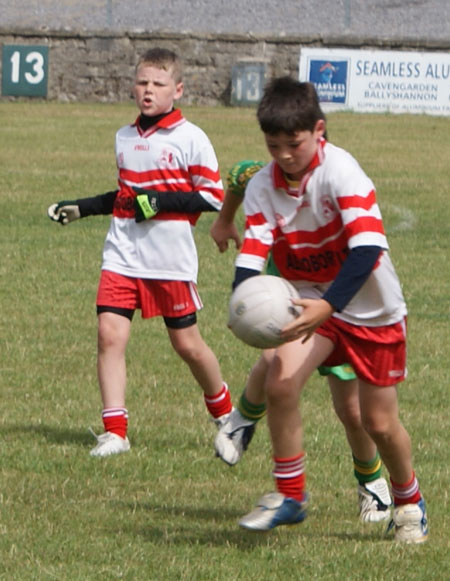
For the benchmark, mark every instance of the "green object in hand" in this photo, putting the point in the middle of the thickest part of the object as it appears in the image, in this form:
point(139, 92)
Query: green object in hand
point(146, 204)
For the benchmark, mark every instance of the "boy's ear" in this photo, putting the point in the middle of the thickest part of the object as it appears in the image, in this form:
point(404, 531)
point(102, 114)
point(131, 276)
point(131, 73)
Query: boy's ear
point(178, 91)
point(320, 127)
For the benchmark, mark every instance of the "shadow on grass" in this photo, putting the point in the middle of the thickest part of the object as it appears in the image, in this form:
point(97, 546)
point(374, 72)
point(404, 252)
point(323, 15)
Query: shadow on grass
point(191, 525)
point(180, 512)
point(51, 434)
point(374, 536)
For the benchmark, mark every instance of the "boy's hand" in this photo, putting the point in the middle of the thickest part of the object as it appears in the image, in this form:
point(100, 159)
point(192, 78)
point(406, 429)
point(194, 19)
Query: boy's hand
point(146, 204)
point(64, 212)
point(314, 313)
point(222, 231)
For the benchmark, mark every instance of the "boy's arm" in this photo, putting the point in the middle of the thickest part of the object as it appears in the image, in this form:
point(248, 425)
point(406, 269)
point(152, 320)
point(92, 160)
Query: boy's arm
point(238, 177)
point(241, 274)
point(69, 210)
point(149, 202)
point(354, 272)
point(224, 228)
point(356, 269)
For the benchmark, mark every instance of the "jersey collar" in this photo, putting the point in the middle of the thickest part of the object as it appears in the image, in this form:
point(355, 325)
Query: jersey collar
point(168, 121)
point(279, 178)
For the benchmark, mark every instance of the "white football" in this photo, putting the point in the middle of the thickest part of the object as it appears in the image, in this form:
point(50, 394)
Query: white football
point(259, 309)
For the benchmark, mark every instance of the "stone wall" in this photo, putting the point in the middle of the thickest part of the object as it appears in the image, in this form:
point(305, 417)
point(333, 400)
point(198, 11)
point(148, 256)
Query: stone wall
point(99, 66)
point(388, 19)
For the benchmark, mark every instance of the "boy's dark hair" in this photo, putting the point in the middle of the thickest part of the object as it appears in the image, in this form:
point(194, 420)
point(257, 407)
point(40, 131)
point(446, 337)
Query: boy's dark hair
point(288, 106)
point(162, 58)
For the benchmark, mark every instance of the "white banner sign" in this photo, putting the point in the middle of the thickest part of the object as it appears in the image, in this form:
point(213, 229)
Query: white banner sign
point(378, 81)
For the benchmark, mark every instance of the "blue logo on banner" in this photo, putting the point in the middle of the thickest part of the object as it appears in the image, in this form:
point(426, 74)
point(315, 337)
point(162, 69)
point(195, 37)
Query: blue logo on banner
point(329, 79)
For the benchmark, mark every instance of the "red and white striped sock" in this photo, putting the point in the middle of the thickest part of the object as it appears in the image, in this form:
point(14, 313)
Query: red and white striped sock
point(290, 476)
point(219, 404)
point(115, 420)
point(408, 493)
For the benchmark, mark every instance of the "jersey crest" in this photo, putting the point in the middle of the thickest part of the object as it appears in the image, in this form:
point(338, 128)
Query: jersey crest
point(329, 210)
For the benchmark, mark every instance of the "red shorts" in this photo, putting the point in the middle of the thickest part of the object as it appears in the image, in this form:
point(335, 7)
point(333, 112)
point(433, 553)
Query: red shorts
point(167, 298)
point(377, 354)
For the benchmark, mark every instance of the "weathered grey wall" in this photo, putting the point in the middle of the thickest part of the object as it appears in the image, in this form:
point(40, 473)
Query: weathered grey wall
point(387, 19)
point(94, 44)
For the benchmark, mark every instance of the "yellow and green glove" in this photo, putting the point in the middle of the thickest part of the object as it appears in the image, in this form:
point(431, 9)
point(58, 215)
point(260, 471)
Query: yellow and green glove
point(240, 174)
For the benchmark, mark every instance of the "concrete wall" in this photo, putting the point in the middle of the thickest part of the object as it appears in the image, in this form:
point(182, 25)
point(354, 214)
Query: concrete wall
point(94, 45)
point(382, 19)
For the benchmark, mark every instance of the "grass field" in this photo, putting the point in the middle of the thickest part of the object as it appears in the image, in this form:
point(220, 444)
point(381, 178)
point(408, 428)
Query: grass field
point(168, 510)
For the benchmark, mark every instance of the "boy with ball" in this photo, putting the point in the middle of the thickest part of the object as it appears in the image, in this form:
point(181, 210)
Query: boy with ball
point(315, 209)
point(235, 435)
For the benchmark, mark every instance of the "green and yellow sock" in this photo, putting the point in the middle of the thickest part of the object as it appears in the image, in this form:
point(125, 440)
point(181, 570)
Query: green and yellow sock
point(367, 471)
point(251, 411)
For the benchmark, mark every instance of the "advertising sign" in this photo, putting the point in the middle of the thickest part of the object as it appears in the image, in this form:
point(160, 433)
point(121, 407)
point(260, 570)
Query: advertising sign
point(378, 81)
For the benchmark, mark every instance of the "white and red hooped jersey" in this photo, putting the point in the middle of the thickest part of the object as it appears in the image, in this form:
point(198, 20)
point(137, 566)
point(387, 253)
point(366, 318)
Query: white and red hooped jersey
point(311, 228)
point(173, 155)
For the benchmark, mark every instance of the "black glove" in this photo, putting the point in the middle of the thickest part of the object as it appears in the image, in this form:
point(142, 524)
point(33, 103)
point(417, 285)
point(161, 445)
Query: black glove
point(146, 204)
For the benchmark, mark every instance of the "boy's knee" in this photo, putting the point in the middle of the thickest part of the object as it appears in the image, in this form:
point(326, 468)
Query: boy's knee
point(349, 416)
point(377, 427)
point(110, 336)
point(281, 393)
point(260, 367)
point(266, 357)
point(108, 340)
point(188, 352)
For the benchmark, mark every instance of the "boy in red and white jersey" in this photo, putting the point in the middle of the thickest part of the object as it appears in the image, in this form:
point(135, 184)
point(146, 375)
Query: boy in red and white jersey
point(235, 435)
point(167, 175)
point(316, 210)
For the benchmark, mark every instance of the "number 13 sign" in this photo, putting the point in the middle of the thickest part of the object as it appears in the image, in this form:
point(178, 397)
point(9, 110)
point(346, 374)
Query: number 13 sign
point(24, 70)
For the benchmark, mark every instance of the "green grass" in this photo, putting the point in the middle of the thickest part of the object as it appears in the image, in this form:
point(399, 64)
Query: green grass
point(168, 509)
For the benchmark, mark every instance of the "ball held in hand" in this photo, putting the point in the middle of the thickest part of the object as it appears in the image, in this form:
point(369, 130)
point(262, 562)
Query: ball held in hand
point(260, 307)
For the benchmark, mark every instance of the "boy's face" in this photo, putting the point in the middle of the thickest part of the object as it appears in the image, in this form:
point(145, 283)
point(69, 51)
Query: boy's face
point(155, 90)
point(294, 153)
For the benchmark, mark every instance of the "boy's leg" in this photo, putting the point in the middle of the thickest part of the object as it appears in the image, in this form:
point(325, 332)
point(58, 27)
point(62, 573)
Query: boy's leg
point(113, 335)
point(373, 491)
point(290, 368)
point(379, 409)
point(254, 388)
point(345, 397)
point(202, 362)
point(235, 435)
point(251, 407)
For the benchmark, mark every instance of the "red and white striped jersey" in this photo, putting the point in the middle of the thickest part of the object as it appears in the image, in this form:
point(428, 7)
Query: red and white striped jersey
point(311, 228)
point(173, 155)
